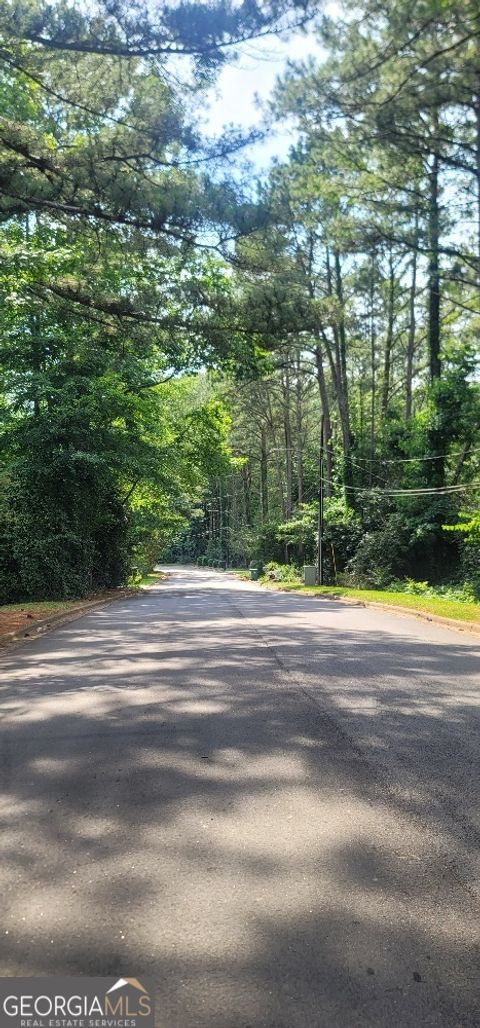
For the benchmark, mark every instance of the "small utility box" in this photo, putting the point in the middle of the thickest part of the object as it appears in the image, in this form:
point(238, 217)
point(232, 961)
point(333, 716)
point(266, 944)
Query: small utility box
point(309, 574)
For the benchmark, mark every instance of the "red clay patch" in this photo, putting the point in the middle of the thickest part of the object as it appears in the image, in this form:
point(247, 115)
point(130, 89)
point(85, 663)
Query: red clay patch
point(13, 619)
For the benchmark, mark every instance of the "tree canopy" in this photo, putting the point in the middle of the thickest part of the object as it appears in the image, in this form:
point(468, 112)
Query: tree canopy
point(184, 352)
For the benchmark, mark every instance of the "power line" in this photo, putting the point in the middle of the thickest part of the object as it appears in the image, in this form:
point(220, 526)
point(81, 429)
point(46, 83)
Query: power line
point(441, 490)
point(408, 460)
point(371, 473)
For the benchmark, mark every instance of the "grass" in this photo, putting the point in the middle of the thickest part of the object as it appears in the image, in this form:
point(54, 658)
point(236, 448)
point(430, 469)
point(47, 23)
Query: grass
point(150, 579)
point(439, 606)
point(48, 605)
point(19, 616)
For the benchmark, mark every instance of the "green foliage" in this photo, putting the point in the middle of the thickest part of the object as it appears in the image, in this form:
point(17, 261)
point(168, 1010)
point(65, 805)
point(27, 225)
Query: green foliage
point(461, 610)
point(342, 534)
point(351, 291)
point(463, 594)
point(469, 527)
point(281, 572)
point(101, 475)
point(301, 528)
point(378, 559)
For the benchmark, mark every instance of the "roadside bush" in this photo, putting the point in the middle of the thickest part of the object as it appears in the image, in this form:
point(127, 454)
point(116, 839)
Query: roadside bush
point(301, 531)
point(242, 547)
point(10, 588)
point(468, 529)
point(380, 555)
point(464, 593)
point(470, 567)
point(342, 531)
point(269, 543)
point(9, 572)
point(281, 572)
point(342, 535)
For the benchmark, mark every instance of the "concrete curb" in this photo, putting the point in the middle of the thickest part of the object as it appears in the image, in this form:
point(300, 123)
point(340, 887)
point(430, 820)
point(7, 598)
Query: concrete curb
point(57, 620)
point(437, 619)
point(472, 627)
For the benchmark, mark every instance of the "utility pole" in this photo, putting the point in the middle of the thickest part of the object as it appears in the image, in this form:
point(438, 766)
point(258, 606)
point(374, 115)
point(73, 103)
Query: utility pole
point(320, 503)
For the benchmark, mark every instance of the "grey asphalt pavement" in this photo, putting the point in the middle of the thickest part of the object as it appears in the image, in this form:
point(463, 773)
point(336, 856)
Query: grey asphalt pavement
point(267, 803)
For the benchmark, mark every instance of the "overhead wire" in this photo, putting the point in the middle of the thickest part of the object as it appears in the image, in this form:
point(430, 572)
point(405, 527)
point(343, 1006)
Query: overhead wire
point(442, 490)
point(409, 460)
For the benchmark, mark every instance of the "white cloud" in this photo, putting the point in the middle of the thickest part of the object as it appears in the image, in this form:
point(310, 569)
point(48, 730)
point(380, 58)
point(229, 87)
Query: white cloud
point(234, 98)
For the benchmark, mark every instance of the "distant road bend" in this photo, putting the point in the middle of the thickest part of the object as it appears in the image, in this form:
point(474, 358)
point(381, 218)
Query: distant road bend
point(267, 803)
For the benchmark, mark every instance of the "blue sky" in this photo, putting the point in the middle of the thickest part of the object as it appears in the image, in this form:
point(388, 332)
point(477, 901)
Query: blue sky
point(233, 101)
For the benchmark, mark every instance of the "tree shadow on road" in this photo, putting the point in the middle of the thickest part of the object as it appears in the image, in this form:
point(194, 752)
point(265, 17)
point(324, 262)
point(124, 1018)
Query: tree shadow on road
point(222, 811)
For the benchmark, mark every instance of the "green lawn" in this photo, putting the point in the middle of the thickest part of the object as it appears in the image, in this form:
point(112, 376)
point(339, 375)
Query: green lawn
point(151, 578)
point(457, 609)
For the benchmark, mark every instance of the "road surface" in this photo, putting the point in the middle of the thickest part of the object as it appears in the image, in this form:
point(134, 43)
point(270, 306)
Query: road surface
point(267, 803)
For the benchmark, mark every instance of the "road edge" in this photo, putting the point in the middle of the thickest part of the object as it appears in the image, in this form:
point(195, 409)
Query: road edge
point(471, 627)
point(27, 632)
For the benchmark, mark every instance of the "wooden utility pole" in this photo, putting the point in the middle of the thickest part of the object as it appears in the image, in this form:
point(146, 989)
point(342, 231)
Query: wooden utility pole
point(320, 503)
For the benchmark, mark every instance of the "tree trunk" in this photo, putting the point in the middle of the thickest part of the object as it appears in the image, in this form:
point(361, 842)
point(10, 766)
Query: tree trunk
point(246, 479)
point(411, 328)
point(278, 463)
point(264, 473)
point(287, 428)
point(341, 327)
point(299, 427)
point(373, 366)
point(325, 404)
point(221, 532)
point(338, 364)
point(387, 361)
point(434, 273)
point(477, 162)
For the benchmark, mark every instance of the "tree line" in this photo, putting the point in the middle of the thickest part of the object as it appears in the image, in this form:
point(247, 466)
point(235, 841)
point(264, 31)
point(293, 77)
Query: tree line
point(187, 356)
point(365, 280)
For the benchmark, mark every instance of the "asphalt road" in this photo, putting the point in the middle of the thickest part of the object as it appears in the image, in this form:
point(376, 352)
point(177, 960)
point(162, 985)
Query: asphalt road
point(267, 803)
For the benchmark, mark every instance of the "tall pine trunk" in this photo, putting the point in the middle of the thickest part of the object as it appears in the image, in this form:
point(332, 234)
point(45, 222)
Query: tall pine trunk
point(436, 439)
point(264, 473)
point(278, 462)
point(434, 272)
point(299, 426)
point(387, 359)
point(287, 431)
point(477, 159)
point(338, 362)
point(325, 405)
point(373, 365)
point(411, 326)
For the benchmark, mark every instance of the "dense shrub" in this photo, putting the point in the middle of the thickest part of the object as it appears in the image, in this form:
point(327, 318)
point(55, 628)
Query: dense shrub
point(342, 535)
point(464, 593)
point(281, 572)
point(379, 556)
point(467, 529)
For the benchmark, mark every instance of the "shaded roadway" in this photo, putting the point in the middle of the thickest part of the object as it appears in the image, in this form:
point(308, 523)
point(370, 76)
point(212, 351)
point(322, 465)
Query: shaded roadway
point(267, 803)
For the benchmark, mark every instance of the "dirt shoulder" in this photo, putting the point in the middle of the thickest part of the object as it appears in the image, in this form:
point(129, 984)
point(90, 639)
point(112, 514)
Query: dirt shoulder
point(20, 621)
